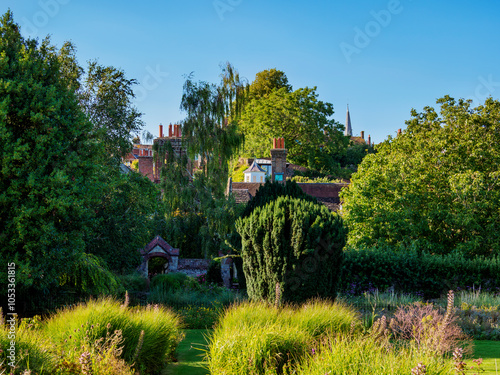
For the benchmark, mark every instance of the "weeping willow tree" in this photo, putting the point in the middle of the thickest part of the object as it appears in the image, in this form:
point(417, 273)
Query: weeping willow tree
point(209, 133)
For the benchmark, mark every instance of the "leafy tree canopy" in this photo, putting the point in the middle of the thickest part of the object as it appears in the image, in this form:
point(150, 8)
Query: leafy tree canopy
point(267, 81)
point(312, 137)
point(47, 161)
point(435, 187)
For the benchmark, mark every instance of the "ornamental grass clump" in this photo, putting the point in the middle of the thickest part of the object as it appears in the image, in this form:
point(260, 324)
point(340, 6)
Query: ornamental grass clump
point(154, 329)
point(258, 338)
point(367, 355)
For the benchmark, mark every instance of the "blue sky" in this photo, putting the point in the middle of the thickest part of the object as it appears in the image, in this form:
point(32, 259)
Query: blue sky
point(383, 58)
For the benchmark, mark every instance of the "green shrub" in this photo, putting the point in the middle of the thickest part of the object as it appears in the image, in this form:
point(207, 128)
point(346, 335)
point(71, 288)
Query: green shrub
point(170, 281)
point(134, 282)
point(295, 244)
point(272, 190)
point(103, 317)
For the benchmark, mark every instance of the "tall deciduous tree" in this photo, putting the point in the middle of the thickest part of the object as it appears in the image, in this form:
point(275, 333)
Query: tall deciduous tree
point(209, 133)
point(47, 161)
point(267, 81)
point(106, 97)
point(435, 187)
point(312, 137)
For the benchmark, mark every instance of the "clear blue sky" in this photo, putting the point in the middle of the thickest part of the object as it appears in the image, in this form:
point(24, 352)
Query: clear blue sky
point(382, 57)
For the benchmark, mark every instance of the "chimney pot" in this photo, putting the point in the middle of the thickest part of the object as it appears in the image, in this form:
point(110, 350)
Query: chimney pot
point(282, 143)
point(274, 142)
point(399, 131)
point(170, 131)
point(362, 135)
point(369, 140)
point(161, 131)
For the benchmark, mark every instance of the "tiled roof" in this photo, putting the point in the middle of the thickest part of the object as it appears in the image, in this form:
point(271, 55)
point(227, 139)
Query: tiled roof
point(158, 241)
point(254, 168)
point(241, 195)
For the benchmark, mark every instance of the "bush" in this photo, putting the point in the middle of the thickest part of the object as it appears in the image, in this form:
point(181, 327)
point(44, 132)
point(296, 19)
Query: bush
point(94, 320)
point(170, 281)
point(293, 244)
point(272, 190)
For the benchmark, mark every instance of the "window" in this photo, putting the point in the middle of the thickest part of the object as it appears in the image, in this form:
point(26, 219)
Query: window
point(261, 178)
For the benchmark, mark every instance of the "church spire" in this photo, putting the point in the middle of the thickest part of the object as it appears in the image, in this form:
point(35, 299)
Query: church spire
point(348, 128)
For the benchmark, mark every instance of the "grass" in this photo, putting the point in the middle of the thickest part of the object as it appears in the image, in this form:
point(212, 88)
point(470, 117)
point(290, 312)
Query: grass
point(191, 353)
point(256, 338)
point(489, 351)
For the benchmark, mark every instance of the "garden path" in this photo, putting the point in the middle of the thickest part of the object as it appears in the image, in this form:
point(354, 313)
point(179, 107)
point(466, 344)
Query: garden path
point(190, 353)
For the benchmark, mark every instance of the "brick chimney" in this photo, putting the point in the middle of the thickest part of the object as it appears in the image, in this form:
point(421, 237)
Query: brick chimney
point(161, 131)
point(399, 131)
point(278, 160)
point(170, 131)
point(362, 135)
point(369, 140)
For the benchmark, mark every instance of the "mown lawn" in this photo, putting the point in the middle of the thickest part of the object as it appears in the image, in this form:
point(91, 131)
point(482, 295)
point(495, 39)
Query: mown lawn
point(190, 354)
point(489, 351)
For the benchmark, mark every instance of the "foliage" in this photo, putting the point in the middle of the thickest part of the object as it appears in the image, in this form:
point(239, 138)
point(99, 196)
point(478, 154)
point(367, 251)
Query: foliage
point(293, 247)
point(271, 191)
point(124, 219)
point(106, 97)
point(367, 355)
point(194, 202)
point(435, 187)
point(318, 180)
point(430, 329)
point(214, 274)
point(97, 319)
point(255, 338)
point(199, 317)
point(267, 81)
point(481, 323)
point(210, 128)
point(32, 351)
point(47, 162)
point(413, 272)
point(311, 136)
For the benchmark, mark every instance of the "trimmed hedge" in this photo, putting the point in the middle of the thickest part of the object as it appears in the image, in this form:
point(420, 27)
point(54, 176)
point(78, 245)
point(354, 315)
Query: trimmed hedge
point(413, 272)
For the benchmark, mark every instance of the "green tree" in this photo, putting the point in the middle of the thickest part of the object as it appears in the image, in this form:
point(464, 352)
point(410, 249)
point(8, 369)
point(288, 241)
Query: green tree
point(293, 243)
point(435, 187)
point(267, 81)
point(271, 191)
point(210, 134)
point(47, 162)
point(312, 137)
point(125, 219)
point(106, 97)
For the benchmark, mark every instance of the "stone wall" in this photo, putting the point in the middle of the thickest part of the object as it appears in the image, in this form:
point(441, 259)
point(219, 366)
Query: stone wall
point(189, 264)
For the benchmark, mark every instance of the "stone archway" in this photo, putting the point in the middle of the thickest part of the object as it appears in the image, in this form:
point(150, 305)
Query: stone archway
point(159, 248)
